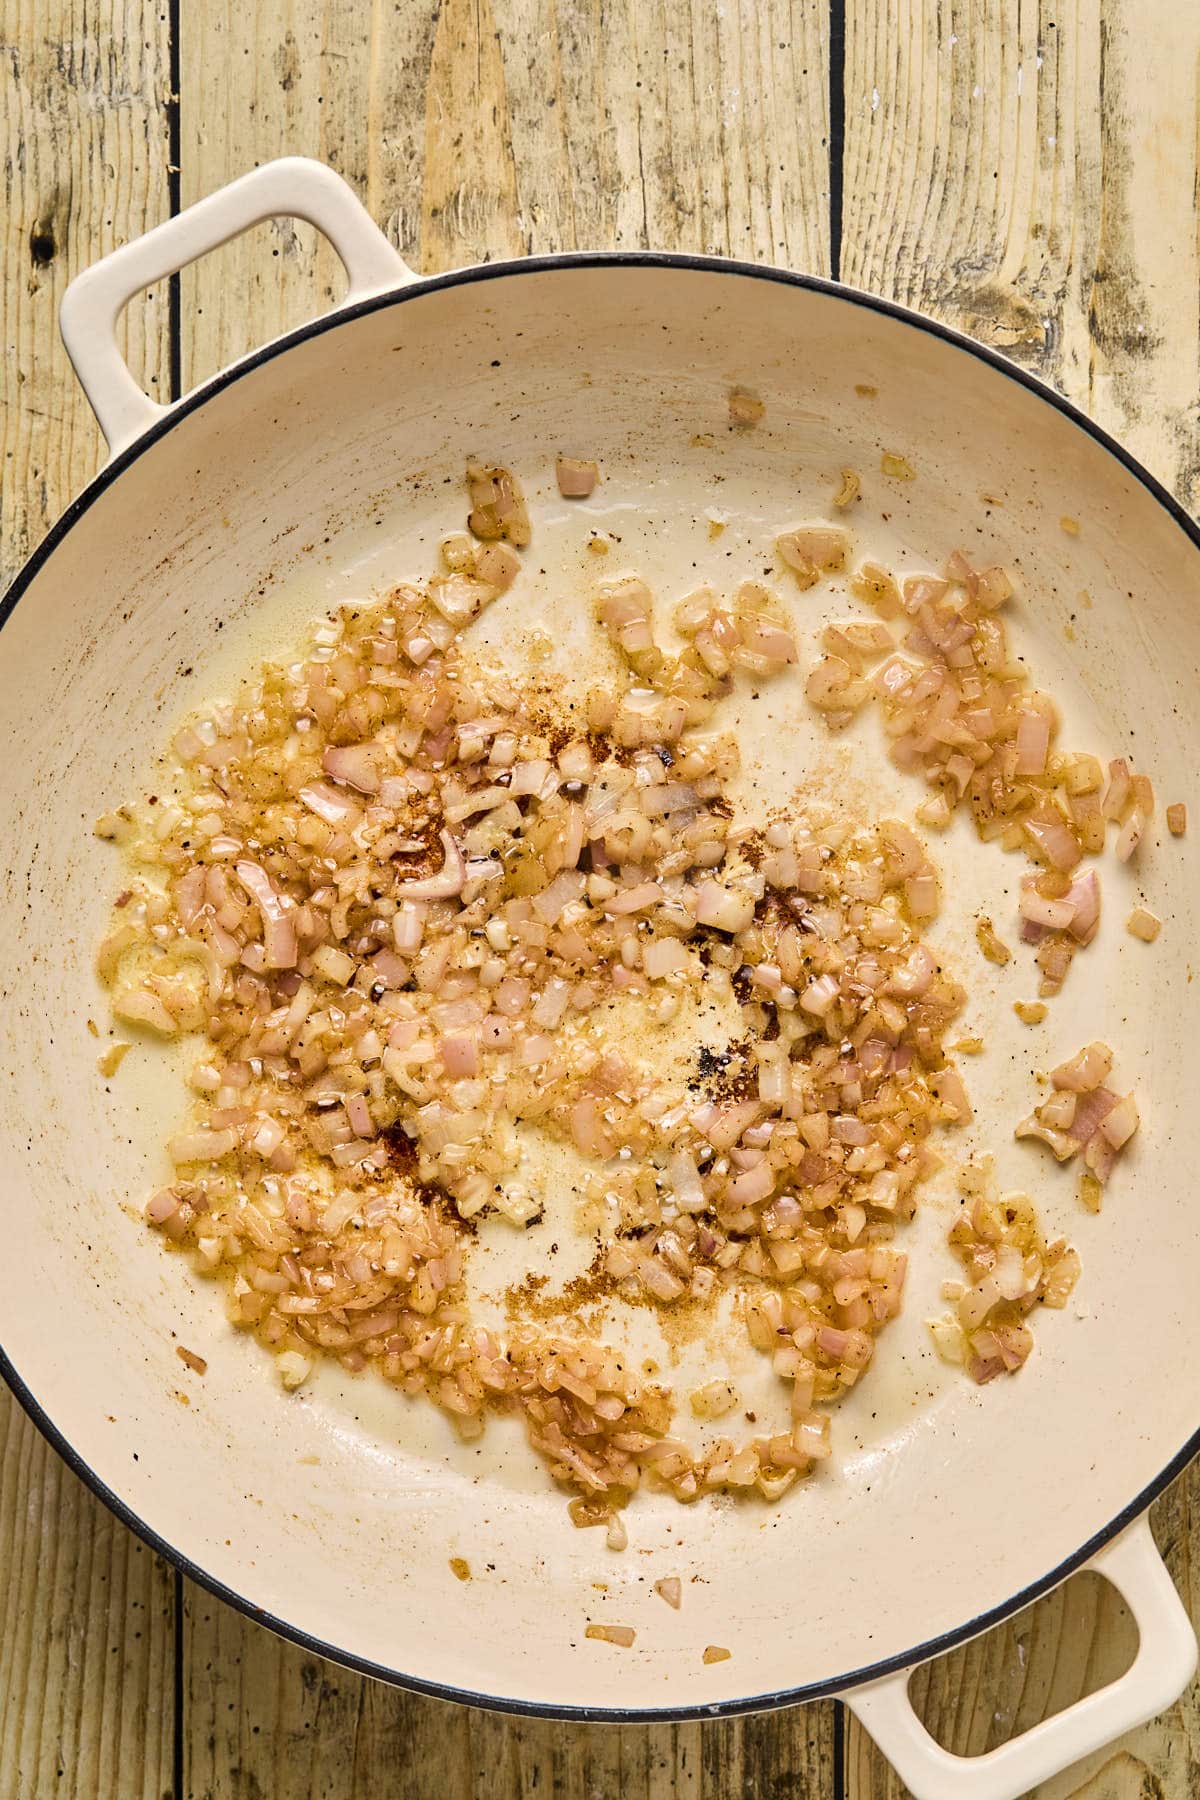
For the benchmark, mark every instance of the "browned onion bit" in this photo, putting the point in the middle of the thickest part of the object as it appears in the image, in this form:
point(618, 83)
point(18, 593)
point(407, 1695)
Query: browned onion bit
point(1009, 1269)
point(958, 710)
point(1083, 1114)
point(745, 407)
point(849, 489)
point(396, 901)
point(498, 507)
point(993, 947)
point(1144, 924)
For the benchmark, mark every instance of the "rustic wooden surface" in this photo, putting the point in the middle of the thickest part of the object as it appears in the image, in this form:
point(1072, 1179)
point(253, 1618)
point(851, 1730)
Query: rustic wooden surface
point(1026, 170)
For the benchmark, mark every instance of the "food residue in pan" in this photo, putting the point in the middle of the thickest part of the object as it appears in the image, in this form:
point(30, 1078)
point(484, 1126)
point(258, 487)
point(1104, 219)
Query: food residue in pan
point(406, 907)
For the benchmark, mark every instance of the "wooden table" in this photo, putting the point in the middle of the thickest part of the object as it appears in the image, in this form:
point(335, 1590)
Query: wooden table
point(1026, 170)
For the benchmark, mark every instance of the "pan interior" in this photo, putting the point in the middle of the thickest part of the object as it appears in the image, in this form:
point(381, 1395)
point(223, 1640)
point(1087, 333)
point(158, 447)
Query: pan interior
point(333, 470)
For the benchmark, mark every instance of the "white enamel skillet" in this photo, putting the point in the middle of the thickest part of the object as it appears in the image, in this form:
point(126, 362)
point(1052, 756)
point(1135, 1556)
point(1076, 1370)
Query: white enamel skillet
point(331, 461)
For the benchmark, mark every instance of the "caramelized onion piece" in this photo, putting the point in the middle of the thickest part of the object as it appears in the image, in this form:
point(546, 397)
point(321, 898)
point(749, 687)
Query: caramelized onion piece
point(450, 879)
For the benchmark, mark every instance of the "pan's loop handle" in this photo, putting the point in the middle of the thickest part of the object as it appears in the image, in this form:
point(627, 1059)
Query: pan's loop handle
point(294, 187)
point(1165, 1663)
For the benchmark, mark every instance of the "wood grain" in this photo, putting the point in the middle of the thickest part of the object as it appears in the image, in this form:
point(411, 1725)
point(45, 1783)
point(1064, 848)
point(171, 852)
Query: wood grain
point(86, 1614)
point(266, 1720)
point(1029, 173)
point(83, 90)
point(87, 1624)
point(635, 124)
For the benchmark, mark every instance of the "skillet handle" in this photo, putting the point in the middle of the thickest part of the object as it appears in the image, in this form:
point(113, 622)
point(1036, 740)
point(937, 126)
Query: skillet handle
point(1162, 1668)
point(294, 187)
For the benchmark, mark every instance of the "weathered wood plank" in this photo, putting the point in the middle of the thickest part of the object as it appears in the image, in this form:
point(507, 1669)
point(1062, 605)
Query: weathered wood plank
point(86, 1614)
point(632, 125)
point(264, 1719)
point(83, 93)
point(87, 1623)
point(258, 82)
point(1029, 172)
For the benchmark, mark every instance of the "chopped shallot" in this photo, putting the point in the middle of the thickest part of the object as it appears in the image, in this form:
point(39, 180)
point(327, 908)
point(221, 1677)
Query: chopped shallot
point(812, 551)
point(576, 480)
point(957, 709)
point(1010, 1269)
point(1144, 924)
point(449, 881)
point(1083, 1114)
point(498, 564)
point(384, 1043)
point(497, 505)
point(355, 764)
point(278, 916)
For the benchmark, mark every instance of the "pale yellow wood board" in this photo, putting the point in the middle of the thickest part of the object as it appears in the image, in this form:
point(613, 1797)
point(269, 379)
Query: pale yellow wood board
point(86, 1614)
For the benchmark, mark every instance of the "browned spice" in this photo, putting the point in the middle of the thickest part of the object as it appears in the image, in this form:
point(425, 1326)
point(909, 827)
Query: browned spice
point(526, 1300)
